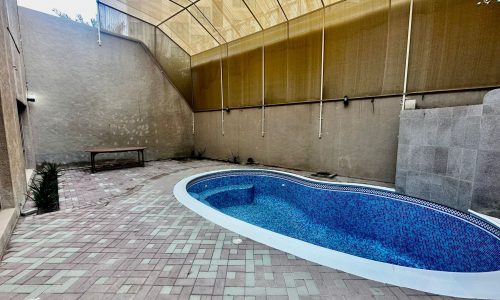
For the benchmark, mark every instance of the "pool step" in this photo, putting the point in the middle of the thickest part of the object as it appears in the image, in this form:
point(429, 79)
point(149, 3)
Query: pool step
point(230, 195)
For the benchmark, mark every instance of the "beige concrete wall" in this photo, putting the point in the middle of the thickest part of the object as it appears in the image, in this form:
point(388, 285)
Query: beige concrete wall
point(449, 99)
point(12, 93)
point(12, 90)
point(359, 140)
point(89, 95)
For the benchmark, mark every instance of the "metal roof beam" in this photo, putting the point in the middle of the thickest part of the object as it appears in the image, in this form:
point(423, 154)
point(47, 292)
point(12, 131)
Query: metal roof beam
point(205, 17)
point(282, 10)
point(253, 15)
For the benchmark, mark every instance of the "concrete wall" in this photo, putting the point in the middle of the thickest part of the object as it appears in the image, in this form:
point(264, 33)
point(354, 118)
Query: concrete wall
point(12, 94)
point(449, 99)
point(486, 188)
point(359, 140)
point(452, 155)
point(12, 91)
point(437, 154)
point(89, 95)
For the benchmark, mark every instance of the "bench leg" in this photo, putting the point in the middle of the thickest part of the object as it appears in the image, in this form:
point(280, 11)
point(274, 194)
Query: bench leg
point(92, 162)
point(142, 154)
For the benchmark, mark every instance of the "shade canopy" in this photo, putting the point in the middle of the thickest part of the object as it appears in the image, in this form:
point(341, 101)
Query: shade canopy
point(199, 25)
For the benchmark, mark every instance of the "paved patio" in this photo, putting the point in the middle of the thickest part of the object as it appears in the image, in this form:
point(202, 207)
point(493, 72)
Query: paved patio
point(121, 234)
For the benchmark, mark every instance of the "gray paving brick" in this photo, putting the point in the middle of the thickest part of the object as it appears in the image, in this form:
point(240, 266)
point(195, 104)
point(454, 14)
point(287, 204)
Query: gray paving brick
point(145, 245)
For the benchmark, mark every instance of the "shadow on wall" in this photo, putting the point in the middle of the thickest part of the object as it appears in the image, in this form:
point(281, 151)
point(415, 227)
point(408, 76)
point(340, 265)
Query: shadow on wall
point(452, 155)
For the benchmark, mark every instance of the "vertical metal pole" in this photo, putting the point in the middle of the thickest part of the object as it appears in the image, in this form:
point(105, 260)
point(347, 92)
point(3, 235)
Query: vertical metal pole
point(408, 44)
point(192, 116)
point(222, 92)
point(154, 50)
point(192, 89)
point(98, 24)
point(263, 118)
point(287, 44)
point(320, 133)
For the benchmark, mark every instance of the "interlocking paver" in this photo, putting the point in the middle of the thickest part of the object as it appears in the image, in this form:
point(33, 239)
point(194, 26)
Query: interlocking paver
point(121, 234)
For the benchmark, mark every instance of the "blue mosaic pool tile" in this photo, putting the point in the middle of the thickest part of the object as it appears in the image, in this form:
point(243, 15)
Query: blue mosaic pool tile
point(361, 221)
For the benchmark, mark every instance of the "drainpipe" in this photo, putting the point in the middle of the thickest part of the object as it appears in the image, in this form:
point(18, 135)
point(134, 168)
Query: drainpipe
point(98, 24)
point(320, 133)
point(408, 44)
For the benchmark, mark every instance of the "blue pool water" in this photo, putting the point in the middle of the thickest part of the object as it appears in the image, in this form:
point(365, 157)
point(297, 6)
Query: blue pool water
point(364, 222)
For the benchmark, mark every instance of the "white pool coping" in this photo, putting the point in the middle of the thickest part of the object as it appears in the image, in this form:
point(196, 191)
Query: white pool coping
point(484, 285)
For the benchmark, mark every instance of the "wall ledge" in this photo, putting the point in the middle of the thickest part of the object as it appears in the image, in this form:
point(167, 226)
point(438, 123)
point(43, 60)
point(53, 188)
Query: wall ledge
point(8, 220)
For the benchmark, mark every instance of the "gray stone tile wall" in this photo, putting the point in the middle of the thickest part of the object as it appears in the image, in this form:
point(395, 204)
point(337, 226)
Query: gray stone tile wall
point(452, 155)
point(486, 189)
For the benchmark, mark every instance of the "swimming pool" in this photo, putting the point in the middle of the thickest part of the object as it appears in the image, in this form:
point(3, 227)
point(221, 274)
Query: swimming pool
point(367, 231)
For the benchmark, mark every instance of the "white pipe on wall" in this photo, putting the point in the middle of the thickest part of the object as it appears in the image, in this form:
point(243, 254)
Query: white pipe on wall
point(222, 93)
point(407, 63)
point(98, 25)
point(320, 133)
point(192, 85)
point(192, 115)
point(263, 117)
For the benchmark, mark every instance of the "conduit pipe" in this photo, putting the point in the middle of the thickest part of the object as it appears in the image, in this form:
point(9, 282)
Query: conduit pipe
point(320, 133)
point(98, 24)
point(263, 117)
point(222, 92)
point(192, 116)
point(407, 62)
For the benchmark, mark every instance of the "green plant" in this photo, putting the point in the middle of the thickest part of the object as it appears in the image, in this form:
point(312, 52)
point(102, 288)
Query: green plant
point(198, 154)
point(235, 158)
point(44, 189)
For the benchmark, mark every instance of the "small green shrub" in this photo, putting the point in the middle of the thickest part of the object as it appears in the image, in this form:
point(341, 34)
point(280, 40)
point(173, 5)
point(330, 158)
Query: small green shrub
point(198, 155)
point(235, 158)
point(44, 189)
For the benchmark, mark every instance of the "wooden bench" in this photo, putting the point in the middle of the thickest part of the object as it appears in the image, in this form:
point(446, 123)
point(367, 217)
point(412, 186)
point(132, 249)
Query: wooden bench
point(94, 151)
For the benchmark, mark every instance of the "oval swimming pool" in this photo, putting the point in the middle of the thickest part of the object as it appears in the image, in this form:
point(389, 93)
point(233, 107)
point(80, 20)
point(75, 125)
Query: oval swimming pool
point(367, 231)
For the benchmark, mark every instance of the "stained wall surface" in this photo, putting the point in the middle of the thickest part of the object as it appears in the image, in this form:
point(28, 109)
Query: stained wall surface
point(359, 140)
point(89, 95)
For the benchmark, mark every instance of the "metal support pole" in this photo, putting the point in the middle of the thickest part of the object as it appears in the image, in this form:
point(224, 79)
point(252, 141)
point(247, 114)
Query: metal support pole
point(320, 133)
point(192, 116)
point(154, 50)
point(222, 92)
point(98, 24)
point(287, 47)
point(263, 118)
point(408, 44)
point(192, 85)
